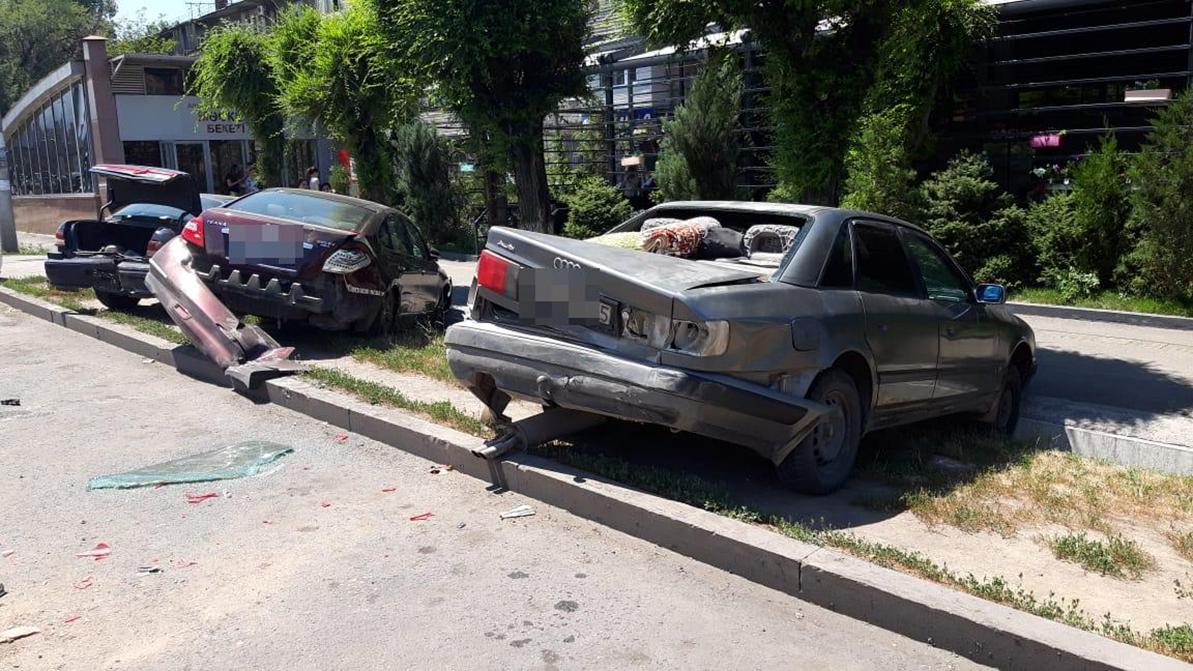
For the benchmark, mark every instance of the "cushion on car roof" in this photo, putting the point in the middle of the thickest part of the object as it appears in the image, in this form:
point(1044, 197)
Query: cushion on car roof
point(680, 239)
point(769, 238)
point(721, 243)
point(655, 222)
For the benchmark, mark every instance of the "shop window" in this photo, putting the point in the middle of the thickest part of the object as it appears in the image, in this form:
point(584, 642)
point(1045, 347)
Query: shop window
point(163, 82)
point(143, 153)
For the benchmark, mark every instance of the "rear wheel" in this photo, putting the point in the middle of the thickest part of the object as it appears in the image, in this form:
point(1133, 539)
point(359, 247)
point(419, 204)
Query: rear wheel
point(382, 324)
point(116, 301)
point(822, 462)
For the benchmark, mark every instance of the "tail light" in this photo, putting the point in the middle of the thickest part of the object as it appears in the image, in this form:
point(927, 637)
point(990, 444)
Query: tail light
point(347, 260)
point(60, 235)
point(192, 232)
point(492, 272)
point(153, 246)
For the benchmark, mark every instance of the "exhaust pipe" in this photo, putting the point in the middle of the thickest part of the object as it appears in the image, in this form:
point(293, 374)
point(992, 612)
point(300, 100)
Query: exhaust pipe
point(542, 428)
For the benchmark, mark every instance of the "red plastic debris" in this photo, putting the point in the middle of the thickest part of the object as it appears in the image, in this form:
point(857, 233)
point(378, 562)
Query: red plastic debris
point(421, 518)
point(266, 521)
point(389, 489)
point(72, 618)
point(200, 498)
point(7, 553)
point(340, 437)
point(325, 504)
point(184, 563)
point(101, 551)
point(85, 583)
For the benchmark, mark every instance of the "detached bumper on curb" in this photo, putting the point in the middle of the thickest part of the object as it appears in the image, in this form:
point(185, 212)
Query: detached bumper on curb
point(541, 369)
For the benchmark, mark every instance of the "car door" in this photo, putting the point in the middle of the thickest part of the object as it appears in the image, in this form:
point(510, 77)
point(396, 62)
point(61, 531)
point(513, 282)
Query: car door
point(396, 266)
point(901, 325)
point(424, 271)
point(968, 338)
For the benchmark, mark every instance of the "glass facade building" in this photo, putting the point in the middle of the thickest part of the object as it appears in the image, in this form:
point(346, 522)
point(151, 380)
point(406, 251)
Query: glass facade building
point(49, 152)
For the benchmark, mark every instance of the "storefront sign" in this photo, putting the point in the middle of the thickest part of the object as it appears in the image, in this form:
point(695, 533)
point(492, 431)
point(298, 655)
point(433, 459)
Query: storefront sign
point(170, 119)
point(1049, 141)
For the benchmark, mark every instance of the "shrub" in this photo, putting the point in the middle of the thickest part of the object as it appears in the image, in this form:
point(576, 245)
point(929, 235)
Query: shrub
point(1163, 205)
point(881, 178)
point(1056, 237)
point(593, 208)
point(423, 180)
point(339, 179)
point(1102, 207)
point(1074, 284)
point(970, 214)
point(698, 156)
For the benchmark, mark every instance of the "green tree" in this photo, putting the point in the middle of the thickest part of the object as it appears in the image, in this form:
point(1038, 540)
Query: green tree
point(343, 79)
point(37, 36)
point(970, 214)
point(1057, 239)
point(830, 63)
point(502, 66)
point(593, 208)
point(698, 157)
point(424, 180)
point(1102, 208)
point(141, 35)
point(232, 76)
point(1163, 205)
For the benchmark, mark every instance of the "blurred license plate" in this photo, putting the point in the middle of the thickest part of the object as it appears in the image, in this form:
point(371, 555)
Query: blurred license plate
point(266, 245)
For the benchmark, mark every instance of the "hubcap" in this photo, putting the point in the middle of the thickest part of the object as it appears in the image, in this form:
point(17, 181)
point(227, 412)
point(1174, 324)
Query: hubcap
point(829, 435)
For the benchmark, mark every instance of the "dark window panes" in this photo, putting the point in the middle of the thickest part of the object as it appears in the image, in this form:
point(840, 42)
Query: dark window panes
point(882, 265)
point(942, 282)
point(838, 272)
point(391, 238)
point(414, 239)
point(143, 153)
point(163, 81)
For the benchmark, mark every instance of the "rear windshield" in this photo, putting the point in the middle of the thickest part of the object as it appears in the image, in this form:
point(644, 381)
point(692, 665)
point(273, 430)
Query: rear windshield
point(148, 211)
point(308, 209)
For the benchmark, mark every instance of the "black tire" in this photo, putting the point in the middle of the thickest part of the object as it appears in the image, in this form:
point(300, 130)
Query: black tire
point(1004, 417)
point(823, 461)
point(116, 301)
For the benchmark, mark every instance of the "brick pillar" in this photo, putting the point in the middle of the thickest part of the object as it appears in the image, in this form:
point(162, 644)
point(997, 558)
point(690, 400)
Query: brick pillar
point(105, 126)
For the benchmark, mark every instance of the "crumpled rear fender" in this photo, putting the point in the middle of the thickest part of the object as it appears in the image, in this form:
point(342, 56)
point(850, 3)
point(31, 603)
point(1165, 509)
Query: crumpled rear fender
point(246, 353)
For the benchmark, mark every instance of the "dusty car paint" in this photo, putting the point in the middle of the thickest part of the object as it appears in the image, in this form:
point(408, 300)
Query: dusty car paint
point(246, 353)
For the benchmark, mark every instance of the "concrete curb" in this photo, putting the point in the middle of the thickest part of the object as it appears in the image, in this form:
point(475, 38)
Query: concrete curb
point(1128, 451)
point(985, 632)
point(1094, 314)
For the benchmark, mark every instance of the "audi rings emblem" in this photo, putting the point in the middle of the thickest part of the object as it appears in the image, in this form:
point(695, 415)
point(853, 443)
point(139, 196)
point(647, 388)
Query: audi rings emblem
point(565, 264)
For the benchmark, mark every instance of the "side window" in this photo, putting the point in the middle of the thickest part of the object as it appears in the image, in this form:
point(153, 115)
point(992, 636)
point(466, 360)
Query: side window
point(390, 237)
point(882, 265)
point(413, 239)
point(838, 271)
point(940, 279)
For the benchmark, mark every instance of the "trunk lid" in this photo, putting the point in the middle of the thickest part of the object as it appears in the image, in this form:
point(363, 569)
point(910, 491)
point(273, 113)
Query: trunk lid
point(240, 240)
point(128, 184)
point(630, 277)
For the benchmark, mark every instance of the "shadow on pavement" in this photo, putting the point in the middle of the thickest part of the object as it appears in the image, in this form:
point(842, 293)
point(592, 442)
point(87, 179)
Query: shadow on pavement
point(1117, 383)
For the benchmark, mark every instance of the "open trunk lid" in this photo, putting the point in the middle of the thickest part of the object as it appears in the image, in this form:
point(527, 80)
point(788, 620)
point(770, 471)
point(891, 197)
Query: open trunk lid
point(255, 242)
point(128, 184)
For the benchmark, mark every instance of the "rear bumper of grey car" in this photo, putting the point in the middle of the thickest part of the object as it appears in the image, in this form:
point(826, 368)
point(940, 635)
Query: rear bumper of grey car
point(572, 375)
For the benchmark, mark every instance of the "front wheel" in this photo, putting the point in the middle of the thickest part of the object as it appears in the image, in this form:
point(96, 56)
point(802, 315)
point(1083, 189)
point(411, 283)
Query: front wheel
point(1005, 415)
point(116, 301)
point(822, 462)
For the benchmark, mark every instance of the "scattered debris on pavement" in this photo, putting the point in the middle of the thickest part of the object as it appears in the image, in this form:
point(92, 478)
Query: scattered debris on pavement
point(72, 618)
point(422, 518)
point(520, 511)
point(438, 468)
point(461, 525)
point(200, 498)
point(10, 401)
point(85, 583)
point(101, 551)
point(146, 360)
point(389, 489)
point(2, 590)
point(7, 553)
point(266, 521)
point(145, 570)
point(340, 437)
point(325, 504)
point(185, 563)
point(244, 459)
point(10, 635)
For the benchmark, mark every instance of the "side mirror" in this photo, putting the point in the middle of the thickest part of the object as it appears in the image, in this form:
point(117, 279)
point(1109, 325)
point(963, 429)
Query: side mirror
point(434, 253)
point(995, 294)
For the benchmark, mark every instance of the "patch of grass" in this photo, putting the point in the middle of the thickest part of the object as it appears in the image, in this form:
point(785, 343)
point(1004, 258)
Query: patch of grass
point(1107, 300)
point(1183, 544)
point(422, 353)
point(441, 412)
point(693, 490)
point(25, 249)
point(39, 287)
point(1117, 556)
point(146, 325)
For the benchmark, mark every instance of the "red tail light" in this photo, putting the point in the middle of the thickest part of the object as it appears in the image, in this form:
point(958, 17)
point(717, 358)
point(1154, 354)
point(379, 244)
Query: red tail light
point(192, 232)
point(152, 248)
point(60, 236)
point(492, 271)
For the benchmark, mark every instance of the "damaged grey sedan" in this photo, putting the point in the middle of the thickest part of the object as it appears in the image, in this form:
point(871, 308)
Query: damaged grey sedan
point(791, 330)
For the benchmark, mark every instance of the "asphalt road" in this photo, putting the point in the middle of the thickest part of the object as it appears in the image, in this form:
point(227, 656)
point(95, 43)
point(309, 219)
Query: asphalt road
point(316, 566)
